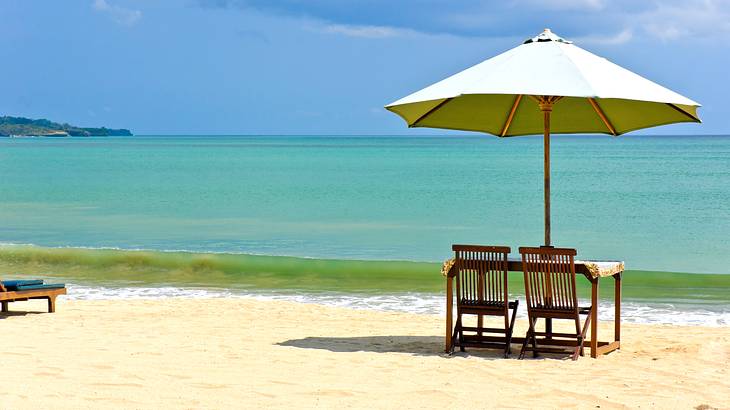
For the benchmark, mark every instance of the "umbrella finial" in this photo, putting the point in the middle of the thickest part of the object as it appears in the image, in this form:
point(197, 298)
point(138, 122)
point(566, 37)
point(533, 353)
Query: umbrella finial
point(547, 35)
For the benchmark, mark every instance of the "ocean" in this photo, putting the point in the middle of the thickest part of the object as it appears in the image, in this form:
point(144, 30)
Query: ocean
point(363, 221)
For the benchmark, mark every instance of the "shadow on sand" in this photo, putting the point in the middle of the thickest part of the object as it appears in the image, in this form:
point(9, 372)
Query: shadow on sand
point(5, 315)
point(414, 345)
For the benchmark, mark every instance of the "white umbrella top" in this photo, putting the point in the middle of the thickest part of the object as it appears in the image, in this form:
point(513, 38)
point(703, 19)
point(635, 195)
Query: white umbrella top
point(548, 65)
point(596, 95)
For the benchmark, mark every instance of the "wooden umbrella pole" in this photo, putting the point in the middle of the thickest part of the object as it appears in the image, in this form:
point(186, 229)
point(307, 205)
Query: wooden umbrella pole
point(546, 106)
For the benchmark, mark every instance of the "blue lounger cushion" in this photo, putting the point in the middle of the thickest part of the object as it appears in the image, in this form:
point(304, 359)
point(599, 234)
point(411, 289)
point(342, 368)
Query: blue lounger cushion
point(13, 284)
point(45, 286)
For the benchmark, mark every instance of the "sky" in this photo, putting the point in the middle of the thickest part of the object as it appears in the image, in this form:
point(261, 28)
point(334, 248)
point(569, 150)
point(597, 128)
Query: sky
point(323, 66)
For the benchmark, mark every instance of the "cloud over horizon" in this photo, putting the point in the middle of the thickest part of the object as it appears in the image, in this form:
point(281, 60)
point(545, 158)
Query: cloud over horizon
point(117, 13)
point(597, 21)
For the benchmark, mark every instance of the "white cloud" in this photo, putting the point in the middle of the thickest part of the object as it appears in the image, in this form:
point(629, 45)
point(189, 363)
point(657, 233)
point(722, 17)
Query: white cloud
point(365, 31)
point(563, 4)
point(621, 37)
point(608, 22)
point(668, 20)
point(119, 14)
point(665, 32)
point(690, 19)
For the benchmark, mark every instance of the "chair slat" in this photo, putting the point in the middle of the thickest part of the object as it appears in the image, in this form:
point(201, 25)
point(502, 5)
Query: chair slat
point(482, 274)
point(551, 279)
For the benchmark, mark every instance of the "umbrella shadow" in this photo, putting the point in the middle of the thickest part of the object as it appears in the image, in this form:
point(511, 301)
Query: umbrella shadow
point(414, 345)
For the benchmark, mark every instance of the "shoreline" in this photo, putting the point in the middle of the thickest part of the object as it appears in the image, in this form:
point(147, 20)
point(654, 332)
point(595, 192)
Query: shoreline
point(644, 312)
point(222, 352)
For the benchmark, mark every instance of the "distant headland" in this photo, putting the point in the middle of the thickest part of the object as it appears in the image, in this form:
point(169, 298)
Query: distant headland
point(24, 127)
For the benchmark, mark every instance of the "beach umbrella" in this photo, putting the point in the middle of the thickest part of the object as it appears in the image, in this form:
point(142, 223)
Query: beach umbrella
point(545, 85)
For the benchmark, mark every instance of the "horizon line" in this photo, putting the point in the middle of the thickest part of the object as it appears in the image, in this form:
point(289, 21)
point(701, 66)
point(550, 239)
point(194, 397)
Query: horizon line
point(408, 135)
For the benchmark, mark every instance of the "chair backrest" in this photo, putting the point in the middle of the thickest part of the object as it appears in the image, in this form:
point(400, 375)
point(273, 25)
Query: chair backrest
point(481, 273)
point(549, 278)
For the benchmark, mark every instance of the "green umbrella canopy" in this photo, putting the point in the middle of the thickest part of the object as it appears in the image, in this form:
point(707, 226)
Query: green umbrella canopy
point(546, 85)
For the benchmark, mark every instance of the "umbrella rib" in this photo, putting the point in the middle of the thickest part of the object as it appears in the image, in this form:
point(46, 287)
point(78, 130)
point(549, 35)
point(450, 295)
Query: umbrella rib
point(429, 112)
point(684, 112)
point(600, 113)
point(511, 115)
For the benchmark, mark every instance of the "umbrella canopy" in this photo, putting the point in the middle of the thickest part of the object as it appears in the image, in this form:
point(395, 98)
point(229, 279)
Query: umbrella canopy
point(546, 85)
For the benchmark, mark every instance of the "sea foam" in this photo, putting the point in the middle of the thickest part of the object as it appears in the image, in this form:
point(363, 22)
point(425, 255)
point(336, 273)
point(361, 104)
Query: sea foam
point(417, 303)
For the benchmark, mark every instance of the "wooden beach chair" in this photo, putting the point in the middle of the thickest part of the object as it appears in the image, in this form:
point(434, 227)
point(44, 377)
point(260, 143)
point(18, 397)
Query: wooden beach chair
point(482, 290)
point(551, 294)
point(20, 290)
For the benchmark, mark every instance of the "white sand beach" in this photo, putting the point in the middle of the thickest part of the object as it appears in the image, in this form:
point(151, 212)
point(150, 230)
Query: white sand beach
point(244, 353)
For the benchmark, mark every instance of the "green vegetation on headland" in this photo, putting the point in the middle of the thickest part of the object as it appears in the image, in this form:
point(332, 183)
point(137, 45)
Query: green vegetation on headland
point(19, 126)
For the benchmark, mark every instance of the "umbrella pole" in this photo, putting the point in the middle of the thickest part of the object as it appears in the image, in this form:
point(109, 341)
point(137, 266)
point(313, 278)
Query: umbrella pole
point(546, 106)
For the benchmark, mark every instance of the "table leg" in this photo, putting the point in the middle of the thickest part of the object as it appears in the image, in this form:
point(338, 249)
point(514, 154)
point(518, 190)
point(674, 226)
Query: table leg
point(617, 303)
point(594, 317)
point(449, 315)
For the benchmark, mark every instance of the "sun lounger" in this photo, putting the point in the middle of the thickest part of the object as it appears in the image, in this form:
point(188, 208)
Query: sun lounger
point(13, 284)
point(19, 290)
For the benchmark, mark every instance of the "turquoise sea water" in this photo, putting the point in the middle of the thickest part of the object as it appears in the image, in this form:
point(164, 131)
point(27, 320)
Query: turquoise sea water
point(659, 203)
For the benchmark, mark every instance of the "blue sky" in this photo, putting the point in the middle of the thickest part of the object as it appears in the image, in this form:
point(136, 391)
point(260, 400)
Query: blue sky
point(322, 66)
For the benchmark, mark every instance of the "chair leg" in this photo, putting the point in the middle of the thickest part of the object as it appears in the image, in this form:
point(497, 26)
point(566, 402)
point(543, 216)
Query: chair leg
point(529, 336)
point(461, 336)
point(578, 349)
point(524, 345)
point(454, 335)
point(5, 306)
point(507, 335)
point(582, 338)
point(534, 339)
point(508, 348)
point(577, 334)
point(458, 334)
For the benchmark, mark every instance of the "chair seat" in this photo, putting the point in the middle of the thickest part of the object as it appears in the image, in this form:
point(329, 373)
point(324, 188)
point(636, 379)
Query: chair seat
point(552, 311)
point(485, 303)
point(497, 307)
